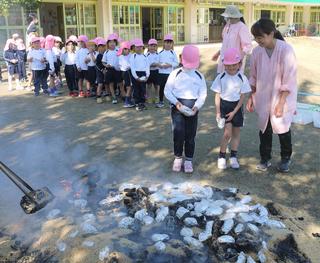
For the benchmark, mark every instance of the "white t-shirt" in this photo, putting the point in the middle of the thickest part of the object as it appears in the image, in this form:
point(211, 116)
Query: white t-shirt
point(231, 87)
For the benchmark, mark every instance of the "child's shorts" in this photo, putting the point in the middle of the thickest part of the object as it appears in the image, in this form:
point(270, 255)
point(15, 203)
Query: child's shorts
point(100, 76)
point(83, 74)
point(227, 107)
point(111, 76)
point(91, 74)
point(13, 69)
point(119, 76)
point(126, 76)
point(56, 68)
point(154, 77)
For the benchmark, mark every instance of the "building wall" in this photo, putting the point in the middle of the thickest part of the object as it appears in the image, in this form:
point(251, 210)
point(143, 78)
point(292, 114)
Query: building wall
point(188, 20)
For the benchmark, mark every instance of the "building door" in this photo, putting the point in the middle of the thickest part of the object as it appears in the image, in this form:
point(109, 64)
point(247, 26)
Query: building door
point(216, 24)
point(157, 23)
point(50, 16)
point(152, 23)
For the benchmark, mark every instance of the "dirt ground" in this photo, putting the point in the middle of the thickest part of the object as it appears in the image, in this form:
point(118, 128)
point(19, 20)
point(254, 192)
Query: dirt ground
point(137, 147)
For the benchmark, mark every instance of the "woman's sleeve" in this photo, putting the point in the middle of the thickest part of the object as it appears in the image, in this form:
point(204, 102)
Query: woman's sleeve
point(253, 70)
point(245, 39)
point(289, 70)
point(168, 89)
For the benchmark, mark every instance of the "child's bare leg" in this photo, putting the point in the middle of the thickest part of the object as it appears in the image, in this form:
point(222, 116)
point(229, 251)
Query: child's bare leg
point(128, 93)
point(10, 82)
point(122, 90)
point(88, 85)
point(80, 84)
point(111, 88)
point(235, 140)
point(227, 134)
point(99, 89)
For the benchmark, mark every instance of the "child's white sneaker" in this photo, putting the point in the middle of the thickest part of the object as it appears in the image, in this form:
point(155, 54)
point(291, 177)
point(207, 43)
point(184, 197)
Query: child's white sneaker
point(234, 164)
point(177, 164)
point(188, 168)
point(222, 163)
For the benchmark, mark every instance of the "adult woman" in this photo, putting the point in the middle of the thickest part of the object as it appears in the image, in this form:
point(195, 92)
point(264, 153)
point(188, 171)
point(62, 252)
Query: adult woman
point(273, 82)
point(234, 35)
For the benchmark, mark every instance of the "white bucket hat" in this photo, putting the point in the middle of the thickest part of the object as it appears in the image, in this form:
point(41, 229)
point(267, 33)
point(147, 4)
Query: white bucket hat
point(232, 12)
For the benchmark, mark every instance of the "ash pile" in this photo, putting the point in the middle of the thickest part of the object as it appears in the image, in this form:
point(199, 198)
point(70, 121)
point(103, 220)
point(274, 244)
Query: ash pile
point(184, 222)
point(207, 223)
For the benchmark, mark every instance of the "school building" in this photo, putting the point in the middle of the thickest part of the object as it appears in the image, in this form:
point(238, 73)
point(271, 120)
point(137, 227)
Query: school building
point(190, 21)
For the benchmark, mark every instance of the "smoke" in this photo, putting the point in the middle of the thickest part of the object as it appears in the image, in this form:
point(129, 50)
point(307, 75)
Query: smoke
point(40, 161)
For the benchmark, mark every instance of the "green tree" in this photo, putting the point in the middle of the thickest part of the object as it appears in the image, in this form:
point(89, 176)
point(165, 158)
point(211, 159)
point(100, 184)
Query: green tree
point(27, 4)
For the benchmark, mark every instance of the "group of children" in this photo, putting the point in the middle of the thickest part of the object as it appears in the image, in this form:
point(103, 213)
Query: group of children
point(106, 69)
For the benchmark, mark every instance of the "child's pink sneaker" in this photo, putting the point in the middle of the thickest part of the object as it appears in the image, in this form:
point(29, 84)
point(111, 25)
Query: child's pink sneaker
point(177, 164)
point(188, 168)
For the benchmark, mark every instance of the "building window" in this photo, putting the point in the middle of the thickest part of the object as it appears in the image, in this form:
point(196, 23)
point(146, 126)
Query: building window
point(126, 21)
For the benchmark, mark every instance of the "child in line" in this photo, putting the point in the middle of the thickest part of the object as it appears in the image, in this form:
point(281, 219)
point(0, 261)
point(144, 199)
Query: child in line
point(37, 58)
point(82, 67)
point(186, 90)
point(100, 69)
point(168, 61)
point(68, 58)
point(11, 57)
point(22, 58)
point(53, 92)
point(91, 63)
point(230, 87)
point(153, 58)
point(57, 61)
point(124, 64)
point(140, 71)
point(111, 63)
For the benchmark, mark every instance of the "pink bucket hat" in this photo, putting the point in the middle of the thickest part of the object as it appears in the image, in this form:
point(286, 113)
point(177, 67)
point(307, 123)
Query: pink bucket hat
point(83, 38)
point(112, 37)
point(125, 44)
point(152, 41)
point(49, 42)
point(57, 39)
point(35, 39)
point(190, 57)
point(73, 38)
point(42, 42)
point(231, 56)
point(168, 37)
point(101, 42)
point(138, 43)
point(9, 42)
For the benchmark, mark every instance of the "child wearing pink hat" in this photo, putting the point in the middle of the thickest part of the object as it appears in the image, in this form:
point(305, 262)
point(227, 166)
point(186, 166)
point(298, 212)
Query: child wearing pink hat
point(90, 60)
point(11, 57)
point(186, 90)
point(230, 87)
point(57, 61)
point(100, 69)
point(168, 61)
point(140, 71)
point(111, 62)
point(82, 67)
point(50, 57)
point(37, 58)
point(153, 80)
point(124, 65)
point(68, 58)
